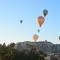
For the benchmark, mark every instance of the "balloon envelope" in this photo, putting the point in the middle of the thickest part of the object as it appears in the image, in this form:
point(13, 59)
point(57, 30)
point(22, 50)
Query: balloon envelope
point(35, 37)
point(40, 20)
point(38, 30)
point(21, 21)
point(59, 37)
point(45, 12)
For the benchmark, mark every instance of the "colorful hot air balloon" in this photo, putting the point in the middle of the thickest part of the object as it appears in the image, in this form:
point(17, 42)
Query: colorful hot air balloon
point(35, 37)
point(45, 12)
point(40, 20)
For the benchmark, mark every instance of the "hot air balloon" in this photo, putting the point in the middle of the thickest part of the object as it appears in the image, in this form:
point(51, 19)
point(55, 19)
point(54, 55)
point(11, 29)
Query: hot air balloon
point(59, 37)
point(40, 20)
point(21, 21)
point(38, 30)
point(35, 37)
point(45, 12)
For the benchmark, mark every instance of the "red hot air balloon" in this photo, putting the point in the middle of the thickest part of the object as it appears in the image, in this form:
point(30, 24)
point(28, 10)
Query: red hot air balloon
point(40, 20)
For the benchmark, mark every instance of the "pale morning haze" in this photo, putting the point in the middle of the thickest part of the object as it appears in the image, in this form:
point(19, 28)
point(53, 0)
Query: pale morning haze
point(12, 11)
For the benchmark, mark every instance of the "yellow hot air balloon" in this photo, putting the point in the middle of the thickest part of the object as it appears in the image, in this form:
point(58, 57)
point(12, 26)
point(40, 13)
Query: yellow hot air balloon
point(35, 37)
point(40, 20)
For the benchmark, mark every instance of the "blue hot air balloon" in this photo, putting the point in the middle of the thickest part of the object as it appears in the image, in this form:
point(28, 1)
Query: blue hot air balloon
point(45, 12)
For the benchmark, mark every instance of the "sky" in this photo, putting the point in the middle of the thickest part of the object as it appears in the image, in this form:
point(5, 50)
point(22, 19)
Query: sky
point(12, 11)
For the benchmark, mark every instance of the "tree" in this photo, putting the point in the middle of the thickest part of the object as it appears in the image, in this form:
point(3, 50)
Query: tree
point(6, 52)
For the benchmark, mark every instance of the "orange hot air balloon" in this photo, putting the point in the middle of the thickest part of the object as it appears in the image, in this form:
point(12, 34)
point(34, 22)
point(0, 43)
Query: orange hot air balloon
point(40, 20)
point(35, 37)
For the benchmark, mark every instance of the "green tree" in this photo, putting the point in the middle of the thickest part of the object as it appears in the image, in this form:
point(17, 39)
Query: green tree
point(6, 52)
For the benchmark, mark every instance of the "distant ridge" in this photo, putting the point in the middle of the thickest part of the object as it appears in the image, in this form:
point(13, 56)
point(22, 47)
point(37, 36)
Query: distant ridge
point(45, 46)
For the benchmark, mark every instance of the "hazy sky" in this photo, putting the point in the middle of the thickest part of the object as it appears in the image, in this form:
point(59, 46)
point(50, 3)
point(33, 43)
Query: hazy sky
point(12, 11)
